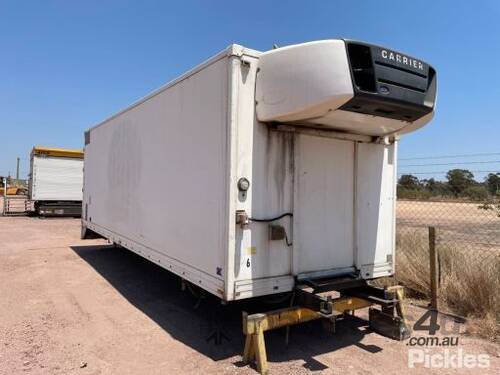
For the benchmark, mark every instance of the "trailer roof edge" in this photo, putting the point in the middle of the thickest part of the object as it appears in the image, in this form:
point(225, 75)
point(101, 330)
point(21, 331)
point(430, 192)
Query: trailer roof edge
point(55, 151)
point(231, 50)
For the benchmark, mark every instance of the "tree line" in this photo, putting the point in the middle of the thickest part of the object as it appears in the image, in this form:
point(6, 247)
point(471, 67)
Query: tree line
point(459, 184)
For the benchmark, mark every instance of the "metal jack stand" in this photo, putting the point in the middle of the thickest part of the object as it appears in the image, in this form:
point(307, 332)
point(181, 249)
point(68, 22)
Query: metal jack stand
point(391, 321)
point(311, 305)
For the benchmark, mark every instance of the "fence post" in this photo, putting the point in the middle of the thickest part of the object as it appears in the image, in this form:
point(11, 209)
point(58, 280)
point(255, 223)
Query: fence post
point(433, 259)
point(4, 196)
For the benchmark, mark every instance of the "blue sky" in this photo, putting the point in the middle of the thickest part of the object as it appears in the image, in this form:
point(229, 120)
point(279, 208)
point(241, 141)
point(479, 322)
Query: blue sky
point(66, 65)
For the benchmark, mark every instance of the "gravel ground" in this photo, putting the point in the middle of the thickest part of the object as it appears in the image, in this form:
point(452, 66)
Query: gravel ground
point(83, 307)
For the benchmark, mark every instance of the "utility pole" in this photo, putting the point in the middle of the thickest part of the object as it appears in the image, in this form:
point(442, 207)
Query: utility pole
point(4, 200)
point(17, 169)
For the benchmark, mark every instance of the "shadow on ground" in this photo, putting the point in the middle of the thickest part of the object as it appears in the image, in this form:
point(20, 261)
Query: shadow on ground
point(157, 293)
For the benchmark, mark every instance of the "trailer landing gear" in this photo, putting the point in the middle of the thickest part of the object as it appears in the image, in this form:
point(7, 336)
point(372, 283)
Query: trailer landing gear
point(311, 305)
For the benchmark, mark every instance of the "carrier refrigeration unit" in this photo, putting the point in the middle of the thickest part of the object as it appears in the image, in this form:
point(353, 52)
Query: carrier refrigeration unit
point(264, 170)
point(55, 181)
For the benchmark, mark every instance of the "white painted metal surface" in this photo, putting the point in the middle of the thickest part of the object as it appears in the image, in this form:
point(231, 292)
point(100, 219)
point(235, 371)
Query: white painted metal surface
point(324, 204)
point(376, 203)
point(56, 178)
point(303, 81)
point(161, 180)
point(308, 83)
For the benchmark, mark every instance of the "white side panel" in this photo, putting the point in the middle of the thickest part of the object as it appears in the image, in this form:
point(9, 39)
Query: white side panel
point(260, 266)
point(271, 176)
point(376, 194)
point(56, 179)
point(156, 175)
point(323, 215)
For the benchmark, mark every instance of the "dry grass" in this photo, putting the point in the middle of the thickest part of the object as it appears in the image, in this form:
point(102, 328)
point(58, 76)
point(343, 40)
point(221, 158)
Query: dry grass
point(412, 263)
point(470, 282)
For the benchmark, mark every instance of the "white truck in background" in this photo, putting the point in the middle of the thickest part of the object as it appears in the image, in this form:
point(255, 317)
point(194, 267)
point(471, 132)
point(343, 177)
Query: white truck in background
point(55, 181)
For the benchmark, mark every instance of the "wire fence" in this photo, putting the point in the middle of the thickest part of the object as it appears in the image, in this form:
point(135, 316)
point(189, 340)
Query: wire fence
point(468, 245)
point(459, 196)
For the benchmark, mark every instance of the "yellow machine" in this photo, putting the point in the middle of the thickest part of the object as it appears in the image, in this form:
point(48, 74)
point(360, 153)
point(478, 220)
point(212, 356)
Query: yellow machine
point(12, 190)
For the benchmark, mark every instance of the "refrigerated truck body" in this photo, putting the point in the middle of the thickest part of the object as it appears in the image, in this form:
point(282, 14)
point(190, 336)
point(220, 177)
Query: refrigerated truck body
point(262, 168)
point(55, 182)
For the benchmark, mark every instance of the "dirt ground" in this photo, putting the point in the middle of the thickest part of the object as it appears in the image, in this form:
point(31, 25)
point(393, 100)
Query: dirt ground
point(83, 307)
point(463, 225)
point(444, 213)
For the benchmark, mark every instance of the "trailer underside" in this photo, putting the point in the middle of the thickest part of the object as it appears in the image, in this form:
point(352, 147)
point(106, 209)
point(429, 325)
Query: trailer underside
point(58, 208)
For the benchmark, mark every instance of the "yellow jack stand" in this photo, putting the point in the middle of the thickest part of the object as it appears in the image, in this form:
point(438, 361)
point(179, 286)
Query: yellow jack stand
point(255, 325)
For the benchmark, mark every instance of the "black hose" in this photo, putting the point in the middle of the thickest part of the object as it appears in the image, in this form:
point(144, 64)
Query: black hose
point(271, 219)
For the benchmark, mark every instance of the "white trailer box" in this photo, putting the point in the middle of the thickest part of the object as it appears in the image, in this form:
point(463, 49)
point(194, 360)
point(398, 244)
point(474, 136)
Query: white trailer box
point(56, 181)
point(254, 170)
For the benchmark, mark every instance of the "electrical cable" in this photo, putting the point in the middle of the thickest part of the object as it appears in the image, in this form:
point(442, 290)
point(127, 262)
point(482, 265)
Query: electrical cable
point(271, 219)
point(288, 243)
point(443, 172)
point(451, 156)
point(456, 163)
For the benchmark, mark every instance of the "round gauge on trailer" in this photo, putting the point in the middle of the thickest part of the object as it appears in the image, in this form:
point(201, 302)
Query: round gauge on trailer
point(243, 184)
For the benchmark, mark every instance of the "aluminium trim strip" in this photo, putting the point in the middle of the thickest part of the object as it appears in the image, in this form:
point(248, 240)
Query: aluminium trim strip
point(325, 133)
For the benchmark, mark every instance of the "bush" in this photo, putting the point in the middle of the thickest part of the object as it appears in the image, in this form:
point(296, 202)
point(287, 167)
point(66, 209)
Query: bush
point(418, 194)
point(476, 193)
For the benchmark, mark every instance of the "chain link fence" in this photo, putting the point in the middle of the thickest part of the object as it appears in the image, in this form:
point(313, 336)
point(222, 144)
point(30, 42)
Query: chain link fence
point(468, 248)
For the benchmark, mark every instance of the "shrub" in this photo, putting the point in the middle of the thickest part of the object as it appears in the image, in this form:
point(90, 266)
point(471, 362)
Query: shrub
point(476, 193)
